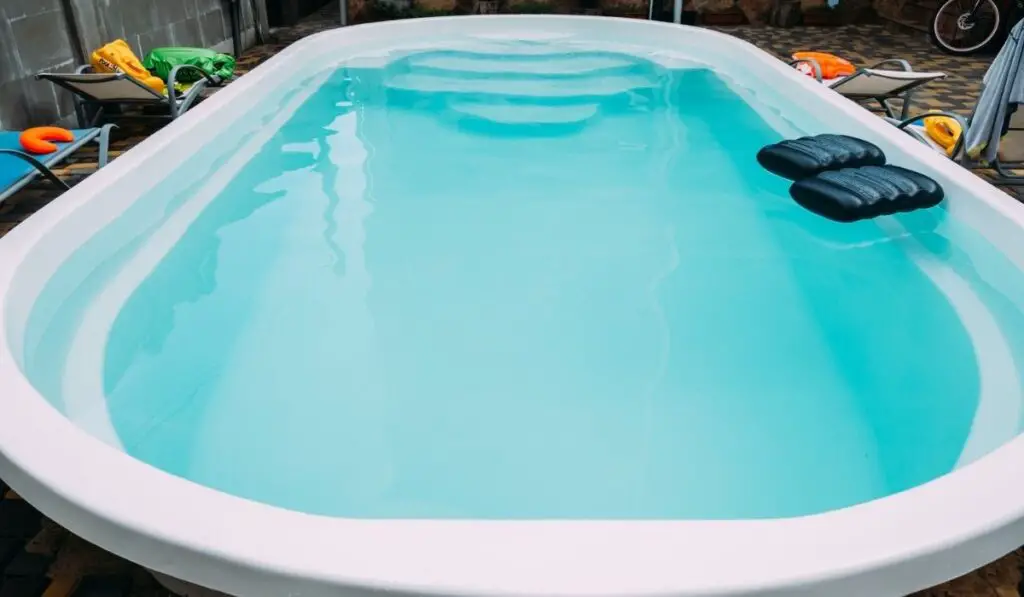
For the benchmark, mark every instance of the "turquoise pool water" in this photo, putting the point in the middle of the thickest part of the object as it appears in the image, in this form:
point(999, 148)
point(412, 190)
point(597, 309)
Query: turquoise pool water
point(543, 284)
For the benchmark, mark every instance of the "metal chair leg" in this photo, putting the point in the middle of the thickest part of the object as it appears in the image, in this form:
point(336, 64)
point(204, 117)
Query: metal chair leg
point(39, 166)
point(1005, 178)
point(104, 141)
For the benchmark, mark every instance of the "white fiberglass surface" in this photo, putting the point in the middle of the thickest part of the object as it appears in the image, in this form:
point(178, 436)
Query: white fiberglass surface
point(524, 280)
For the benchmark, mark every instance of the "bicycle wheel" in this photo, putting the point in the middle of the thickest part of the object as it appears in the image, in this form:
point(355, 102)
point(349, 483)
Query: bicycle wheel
point(965, 26)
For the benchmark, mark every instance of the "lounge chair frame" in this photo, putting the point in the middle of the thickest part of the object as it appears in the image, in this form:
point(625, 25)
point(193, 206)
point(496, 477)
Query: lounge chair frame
point(904, 125)
point(93, 111)
point(904, 92)
point(1003, 175)
point(42, 167)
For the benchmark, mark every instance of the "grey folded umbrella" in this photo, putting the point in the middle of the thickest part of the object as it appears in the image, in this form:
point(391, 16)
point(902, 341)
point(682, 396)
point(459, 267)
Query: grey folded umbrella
point(1002, 89)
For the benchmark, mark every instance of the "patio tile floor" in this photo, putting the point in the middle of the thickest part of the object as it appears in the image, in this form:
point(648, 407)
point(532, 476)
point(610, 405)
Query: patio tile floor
point(39, 558)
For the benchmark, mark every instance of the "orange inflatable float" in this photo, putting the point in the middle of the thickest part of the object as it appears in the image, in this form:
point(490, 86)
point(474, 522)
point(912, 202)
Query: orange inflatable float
point(832, 66)
point(39, 140)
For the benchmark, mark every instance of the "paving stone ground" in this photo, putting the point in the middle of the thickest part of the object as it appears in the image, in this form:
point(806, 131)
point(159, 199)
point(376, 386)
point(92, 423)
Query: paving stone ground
point(38, 558)
point(865, 45)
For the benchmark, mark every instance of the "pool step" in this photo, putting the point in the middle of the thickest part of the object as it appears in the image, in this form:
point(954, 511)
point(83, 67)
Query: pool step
point(524, 89)
point(532, 92)
point(470, 65)
point(566, 117)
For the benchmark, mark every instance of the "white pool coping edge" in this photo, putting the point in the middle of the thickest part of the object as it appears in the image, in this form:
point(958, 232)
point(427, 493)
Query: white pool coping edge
point(890, 546)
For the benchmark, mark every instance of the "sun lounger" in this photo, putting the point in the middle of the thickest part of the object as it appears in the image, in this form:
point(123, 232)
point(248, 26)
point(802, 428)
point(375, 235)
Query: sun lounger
point(18, 168)
point(99, 96)
point(879, 84)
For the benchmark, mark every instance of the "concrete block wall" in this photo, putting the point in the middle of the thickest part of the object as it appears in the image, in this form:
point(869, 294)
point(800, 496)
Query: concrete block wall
point(33, 38)
point(148, 24)
point(57, 35)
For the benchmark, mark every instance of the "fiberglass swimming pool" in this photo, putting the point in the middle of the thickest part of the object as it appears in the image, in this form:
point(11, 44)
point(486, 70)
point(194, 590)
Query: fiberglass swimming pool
point(505, 305)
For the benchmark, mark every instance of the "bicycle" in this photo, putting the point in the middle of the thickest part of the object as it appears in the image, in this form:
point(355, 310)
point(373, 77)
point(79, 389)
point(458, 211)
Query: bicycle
point(964, 27)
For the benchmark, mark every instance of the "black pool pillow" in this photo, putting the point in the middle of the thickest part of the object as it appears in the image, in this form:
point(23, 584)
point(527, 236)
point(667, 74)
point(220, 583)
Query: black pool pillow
point(860, 193)
point(800, 158)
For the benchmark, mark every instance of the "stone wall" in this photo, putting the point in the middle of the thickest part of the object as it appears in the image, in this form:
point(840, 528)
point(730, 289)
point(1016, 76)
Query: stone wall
point(889, 9)
point(780, 13)
point(147, 24)
point(57, 35)
point(784, 13)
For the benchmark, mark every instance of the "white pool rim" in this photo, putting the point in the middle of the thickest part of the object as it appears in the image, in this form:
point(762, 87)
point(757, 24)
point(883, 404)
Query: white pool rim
point(890, 546)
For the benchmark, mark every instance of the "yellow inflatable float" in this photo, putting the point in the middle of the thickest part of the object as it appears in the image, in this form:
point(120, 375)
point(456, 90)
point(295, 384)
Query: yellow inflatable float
point(117, 57)
point(944, 130)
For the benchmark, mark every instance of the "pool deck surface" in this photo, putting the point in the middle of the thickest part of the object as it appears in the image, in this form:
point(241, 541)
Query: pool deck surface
point(38, 558)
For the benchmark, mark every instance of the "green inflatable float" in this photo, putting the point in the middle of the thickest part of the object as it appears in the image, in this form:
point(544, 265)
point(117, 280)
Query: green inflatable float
point(160, 62)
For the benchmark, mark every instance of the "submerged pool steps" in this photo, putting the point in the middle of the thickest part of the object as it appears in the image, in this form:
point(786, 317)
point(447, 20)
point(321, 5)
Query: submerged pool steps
point(526, 114)
point(520, 92)
point(468, 64)
point(538, 88)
